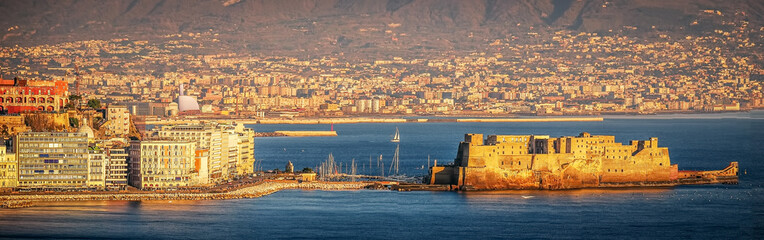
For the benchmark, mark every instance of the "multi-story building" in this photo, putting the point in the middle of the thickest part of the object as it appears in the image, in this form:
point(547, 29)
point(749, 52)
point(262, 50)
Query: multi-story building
point(246, 144)
point(17, 96)
point(96, 168)
point(52, 160)
point(118, 120)
point(8, 169)
point(206, 137)
point(116, 169)
point(161, 164)
point(229, 149)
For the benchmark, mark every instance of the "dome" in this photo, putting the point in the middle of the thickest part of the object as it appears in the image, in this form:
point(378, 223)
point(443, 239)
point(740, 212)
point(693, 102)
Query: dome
point(84, 128)
point(187, 103)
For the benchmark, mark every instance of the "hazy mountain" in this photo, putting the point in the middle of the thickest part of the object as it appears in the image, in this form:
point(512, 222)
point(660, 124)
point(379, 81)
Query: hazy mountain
point(355, 24)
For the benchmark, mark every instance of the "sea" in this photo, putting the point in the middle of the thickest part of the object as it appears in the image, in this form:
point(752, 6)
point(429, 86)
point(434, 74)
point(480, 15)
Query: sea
point(695, 141)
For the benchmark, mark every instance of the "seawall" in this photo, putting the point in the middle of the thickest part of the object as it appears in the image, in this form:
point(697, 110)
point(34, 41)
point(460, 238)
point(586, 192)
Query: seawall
point(307, 133)
point(259, 190)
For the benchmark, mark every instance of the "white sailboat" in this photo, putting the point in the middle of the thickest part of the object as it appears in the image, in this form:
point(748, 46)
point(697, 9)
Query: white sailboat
point(397, 137)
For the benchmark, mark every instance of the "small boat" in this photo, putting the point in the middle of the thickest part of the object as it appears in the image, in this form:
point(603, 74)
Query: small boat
point(397, 137)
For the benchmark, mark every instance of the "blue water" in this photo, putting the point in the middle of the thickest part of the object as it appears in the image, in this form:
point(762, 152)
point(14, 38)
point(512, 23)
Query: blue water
point(705, 212)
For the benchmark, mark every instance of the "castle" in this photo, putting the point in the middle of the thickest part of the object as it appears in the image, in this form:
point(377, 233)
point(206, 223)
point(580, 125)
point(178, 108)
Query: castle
point(543, 162)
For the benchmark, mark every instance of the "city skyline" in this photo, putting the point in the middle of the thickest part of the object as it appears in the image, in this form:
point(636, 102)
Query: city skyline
point(381, 119)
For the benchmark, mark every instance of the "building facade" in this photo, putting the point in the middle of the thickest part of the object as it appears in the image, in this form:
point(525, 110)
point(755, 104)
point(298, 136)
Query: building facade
point(8, 169)
point(208, 141)
point(118, 118)
point(116, 169)
point(96, 168)
point(52, 160)
point(18, 96)
point(161, 164)
point(227, 149)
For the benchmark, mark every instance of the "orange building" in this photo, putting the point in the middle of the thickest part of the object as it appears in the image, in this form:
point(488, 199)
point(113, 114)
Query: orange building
point(18, 96)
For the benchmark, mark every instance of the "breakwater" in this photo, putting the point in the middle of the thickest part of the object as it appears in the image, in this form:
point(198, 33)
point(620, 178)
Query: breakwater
point(564, 119)
point(254, 191)
point(308, 133)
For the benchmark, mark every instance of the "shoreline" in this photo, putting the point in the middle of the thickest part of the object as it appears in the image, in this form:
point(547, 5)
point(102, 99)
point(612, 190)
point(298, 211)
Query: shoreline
point(754, 114)
point(377, 120)
point(258, 190)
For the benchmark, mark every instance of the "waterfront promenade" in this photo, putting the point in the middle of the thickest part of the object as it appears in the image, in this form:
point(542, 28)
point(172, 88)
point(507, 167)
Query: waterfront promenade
point(252, 191)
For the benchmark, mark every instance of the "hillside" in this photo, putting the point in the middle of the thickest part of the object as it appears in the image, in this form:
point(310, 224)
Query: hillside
point(308, 25)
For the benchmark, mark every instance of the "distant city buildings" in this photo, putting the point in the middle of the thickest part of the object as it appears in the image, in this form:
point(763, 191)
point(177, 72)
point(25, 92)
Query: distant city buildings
point(568, 73)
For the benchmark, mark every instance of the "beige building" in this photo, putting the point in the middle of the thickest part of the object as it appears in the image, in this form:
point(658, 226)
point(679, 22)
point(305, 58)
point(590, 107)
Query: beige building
point(52, 160)
point(206, 137)
point(118, 120)
point(96, 168)
point(161, 164)
point(8, 169)
point(228, 150)
point(246, 143)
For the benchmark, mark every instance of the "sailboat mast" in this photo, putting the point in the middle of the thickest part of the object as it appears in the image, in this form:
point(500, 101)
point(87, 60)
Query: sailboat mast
point(397, 158)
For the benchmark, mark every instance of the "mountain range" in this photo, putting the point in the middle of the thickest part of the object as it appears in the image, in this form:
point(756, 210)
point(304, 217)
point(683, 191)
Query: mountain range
point(307, 25)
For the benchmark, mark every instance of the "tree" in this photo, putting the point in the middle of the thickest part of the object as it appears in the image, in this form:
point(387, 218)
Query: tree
point(73, 122)
point(94, 103)
point(307, 170)
point(41, 123)
point(4, 130)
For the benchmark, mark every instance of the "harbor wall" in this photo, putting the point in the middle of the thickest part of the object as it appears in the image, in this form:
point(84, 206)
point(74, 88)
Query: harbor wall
point(307, 133)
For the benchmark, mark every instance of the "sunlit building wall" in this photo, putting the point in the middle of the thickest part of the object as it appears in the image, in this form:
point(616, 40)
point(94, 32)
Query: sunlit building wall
point(52, 160)
point(161, 164)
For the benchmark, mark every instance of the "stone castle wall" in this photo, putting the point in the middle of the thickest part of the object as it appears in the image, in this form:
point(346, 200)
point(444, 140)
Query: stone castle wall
point(541, 162)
